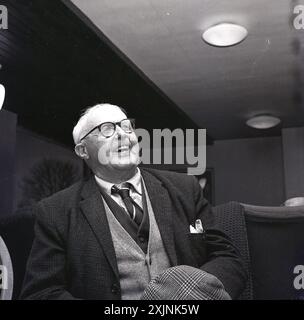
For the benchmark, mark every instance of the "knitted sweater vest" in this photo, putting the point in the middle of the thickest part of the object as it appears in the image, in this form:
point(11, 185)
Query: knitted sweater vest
point(136, 268)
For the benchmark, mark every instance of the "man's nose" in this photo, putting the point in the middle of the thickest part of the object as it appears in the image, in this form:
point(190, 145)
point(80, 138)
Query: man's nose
point(119, 132)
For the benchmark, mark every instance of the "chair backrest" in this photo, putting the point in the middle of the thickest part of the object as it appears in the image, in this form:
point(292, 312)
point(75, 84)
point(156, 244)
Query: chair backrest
point(7, 276)
point(276, 245)
point(230, 219)
point(17, 232)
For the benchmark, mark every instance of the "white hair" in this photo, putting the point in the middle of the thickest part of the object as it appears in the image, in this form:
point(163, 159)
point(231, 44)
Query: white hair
point(81, 124)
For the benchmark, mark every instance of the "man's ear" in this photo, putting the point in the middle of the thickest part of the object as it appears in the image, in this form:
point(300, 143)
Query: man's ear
point(81, 151)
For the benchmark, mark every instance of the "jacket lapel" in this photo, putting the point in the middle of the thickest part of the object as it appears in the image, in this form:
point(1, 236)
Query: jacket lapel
point(163, 211)
point(93, 209)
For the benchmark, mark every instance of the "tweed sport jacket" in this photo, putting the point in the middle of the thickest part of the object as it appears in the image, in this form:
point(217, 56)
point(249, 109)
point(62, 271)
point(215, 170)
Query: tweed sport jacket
point(73, 255)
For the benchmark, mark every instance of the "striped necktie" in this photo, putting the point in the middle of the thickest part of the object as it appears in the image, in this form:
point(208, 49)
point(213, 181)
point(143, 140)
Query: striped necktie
point(134, 210)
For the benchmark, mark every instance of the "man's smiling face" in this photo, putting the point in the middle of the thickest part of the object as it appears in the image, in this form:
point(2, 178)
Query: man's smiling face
point(118, 152)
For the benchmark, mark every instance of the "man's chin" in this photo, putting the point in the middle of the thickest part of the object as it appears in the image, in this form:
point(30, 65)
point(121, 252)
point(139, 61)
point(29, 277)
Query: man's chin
point(124, 164)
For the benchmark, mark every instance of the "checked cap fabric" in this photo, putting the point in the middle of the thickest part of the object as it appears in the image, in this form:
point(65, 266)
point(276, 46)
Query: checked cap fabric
point(185, 283)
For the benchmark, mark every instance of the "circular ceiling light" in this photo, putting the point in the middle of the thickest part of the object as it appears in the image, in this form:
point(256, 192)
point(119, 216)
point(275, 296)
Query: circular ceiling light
point(263, 122)
point(2, 95)
point(225, 34)
point(294, 202)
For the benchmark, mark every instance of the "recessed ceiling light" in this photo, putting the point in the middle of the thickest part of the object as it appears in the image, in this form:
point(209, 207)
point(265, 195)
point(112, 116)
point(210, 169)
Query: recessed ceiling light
point(2, 95)
point(294, 202)
point(225, 34)
point(263, 122)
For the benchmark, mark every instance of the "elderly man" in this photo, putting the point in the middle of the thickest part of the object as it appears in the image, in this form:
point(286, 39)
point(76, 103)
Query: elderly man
point(128, 233)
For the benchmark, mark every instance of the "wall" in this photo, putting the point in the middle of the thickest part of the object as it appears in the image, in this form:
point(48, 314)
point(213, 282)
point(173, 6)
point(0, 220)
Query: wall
point(245, 170)
point(293, 146)
point(248, 170)
point(31, 148)
point(8, 122)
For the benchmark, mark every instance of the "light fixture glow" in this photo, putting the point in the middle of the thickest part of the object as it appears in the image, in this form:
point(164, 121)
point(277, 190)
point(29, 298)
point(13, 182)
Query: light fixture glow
point(225, 34)
point(2, 95)
point(263, 122)
point(294, 202)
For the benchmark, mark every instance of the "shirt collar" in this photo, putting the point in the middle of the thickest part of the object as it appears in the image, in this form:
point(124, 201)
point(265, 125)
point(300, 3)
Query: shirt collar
point(135, 181)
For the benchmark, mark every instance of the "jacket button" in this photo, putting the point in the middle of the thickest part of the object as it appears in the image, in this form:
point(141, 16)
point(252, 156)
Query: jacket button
point(142, 239)
point(115, 289)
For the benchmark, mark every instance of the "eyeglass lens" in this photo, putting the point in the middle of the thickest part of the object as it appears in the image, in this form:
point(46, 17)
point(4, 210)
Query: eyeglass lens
point(108, 129)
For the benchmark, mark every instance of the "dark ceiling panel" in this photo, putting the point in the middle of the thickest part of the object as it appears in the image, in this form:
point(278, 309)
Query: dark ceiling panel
point(54, 65)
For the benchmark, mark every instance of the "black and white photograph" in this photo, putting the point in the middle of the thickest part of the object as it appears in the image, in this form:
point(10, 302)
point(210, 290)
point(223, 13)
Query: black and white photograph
point(152, 151)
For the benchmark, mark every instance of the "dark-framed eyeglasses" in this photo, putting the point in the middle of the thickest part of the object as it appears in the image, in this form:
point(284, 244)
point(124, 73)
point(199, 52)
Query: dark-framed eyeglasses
point(107, 129)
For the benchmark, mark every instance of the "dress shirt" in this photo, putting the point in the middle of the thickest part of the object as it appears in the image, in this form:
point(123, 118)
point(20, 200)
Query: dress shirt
point(135, 191)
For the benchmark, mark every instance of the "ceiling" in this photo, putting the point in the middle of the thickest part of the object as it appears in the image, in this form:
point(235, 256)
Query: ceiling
point(218, 88)
point(53, 66)
point(57, 57)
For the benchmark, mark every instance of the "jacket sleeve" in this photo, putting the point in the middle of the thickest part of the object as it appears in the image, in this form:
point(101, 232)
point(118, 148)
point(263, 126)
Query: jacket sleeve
point(224, 260)
point(45, 276)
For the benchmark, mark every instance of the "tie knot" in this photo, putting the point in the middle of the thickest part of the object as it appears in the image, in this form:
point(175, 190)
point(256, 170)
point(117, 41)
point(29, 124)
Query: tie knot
point(123, 191)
